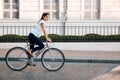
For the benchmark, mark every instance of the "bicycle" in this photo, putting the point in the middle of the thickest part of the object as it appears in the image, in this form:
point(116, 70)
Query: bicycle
point(18, 58)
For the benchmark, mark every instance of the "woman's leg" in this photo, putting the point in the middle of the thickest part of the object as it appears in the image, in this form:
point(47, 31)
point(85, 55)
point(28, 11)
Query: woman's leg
point(35, 40)
point(38, 42)
point(31, 41)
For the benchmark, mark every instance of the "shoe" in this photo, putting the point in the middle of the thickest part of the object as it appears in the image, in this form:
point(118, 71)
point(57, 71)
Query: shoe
point(31, 64)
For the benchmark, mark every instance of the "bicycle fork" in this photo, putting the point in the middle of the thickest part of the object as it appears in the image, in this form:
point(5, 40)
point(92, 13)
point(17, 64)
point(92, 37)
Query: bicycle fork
point(51, 55)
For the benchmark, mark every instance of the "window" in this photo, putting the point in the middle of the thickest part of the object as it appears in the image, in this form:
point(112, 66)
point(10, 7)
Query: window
point(11, 9)
point(52, 7)
point(91, 9)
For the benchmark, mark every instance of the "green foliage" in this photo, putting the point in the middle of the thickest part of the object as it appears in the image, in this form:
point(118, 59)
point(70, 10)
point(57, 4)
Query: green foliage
point(12, 38)
point(66, 38)
point(85, 38)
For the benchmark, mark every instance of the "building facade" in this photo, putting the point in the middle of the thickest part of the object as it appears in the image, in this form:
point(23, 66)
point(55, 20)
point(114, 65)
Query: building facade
point(69, 17)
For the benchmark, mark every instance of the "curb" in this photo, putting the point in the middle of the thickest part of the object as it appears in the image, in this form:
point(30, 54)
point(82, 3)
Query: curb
point(2, 59)
point(93, 61)
point(83, 60)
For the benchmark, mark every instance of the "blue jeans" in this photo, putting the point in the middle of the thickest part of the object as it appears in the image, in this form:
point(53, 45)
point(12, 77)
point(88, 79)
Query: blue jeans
point(35, 40)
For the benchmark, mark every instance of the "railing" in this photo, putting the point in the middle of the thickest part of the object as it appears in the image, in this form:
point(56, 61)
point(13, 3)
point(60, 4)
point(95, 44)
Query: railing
point(69, 30)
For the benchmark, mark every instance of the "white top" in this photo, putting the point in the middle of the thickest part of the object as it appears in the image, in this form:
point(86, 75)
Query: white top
point(38, 31)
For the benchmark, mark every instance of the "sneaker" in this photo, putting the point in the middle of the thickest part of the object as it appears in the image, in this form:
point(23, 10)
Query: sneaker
point(31, 64)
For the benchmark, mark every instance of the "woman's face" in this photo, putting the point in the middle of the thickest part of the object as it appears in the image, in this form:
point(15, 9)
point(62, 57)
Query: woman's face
point(46, 17)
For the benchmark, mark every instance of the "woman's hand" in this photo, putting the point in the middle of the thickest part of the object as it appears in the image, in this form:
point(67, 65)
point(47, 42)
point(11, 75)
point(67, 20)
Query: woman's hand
point(49, 39)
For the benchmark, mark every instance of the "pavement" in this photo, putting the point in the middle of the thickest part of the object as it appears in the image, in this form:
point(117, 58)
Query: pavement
point(70, 71)
point(103, 57)
point(113, 74)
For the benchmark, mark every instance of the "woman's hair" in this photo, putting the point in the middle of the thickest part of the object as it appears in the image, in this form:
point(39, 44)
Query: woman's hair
point(43, 15)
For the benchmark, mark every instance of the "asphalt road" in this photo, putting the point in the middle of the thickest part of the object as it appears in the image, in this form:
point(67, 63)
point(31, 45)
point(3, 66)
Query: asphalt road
point(70, 71)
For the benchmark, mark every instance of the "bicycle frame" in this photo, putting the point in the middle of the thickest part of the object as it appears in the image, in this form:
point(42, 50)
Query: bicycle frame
point(37, 53)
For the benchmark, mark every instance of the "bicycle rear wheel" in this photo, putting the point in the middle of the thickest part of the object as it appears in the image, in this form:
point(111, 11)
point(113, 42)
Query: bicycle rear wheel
point(53, 59)
point(17, 58)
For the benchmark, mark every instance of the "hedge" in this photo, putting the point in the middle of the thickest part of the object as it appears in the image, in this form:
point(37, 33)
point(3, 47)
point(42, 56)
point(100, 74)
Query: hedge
point(12, 38)
point(61, 38)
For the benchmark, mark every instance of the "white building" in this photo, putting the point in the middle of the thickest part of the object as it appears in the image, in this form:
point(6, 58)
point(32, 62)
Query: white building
point(78, 16)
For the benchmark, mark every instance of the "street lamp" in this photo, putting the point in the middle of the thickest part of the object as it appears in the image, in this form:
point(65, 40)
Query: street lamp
point(64, 16)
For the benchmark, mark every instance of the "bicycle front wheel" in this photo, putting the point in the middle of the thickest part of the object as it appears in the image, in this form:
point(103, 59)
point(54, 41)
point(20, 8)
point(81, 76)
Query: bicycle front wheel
point(17, 58)
point(53, 59)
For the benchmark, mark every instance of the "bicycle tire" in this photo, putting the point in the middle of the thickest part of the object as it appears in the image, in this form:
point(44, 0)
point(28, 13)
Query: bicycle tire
point(55, 62)
point(13, 58)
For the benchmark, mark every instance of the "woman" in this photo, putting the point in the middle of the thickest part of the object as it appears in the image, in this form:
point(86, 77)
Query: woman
point(36, 33)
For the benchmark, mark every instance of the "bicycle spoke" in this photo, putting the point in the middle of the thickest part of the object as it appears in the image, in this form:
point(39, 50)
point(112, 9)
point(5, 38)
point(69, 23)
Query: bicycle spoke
point(17, 58)
point(53, 59)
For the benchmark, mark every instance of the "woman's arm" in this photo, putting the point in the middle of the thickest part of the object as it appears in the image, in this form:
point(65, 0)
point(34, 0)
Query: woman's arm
point(45, 32)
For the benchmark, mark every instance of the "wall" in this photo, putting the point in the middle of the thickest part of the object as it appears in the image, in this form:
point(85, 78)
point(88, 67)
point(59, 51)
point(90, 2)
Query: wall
point(31, 10)
point(74, 10)
point(111, 9)
point(1, 9)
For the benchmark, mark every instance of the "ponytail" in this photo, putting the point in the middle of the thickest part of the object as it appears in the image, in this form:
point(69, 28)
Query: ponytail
point(43, 15)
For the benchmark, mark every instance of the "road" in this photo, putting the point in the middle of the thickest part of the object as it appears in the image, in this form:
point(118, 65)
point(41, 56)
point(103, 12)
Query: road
point(70, 71)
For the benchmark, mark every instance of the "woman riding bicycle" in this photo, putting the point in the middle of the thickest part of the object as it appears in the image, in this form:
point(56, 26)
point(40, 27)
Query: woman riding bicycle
point(36, 33)
point(17, 58)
